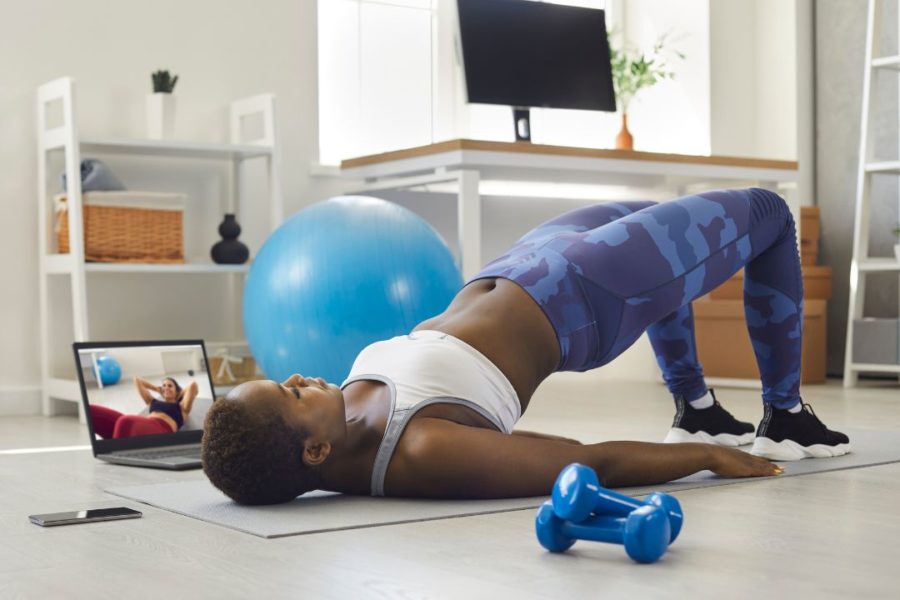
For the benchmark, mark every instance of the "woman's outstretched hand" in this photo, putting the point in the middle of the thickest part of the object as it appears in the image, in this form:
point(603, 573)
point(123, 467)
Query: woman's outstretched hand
point(729, 462)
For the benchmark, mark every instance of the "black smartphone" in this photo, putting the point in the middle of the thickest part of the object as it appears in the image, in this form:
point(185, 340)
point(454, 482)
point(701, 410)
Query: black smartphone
point(84, 516)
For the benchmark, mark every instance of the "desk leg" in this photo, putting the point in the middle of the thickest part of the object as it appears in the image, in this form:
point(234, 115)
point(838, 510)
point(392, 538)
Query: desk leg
point(468, 218)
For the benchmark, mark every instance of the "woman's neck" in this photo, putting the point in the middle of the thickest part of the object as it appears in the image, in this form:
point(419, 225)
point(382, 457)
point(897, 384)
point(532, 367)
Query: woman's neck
point(367, 407)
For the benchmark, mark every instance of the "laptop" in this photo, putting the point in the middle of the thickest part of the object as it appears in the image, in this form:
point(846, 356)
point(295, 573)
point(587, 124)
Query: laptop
point(145, 402)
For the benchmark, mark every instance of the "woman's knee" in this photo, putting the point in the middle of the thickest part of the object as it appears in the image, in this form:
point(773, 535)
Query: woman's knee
point(765, 204)
point(135, 425)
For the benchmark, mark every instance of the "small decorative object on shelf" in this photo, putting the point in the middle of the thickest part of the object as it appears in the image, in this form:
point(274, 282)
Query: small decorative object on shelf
point(161, 106)
point(229, 251)
point(96, 177)
point(633, 72)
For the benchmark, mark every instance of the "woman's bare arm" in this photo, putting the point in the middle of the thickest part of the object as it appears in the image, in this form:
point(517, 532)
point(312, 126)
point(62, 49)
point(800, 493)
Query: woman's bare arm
point(442, 459)
point(143, 387)
point(187, 400)
point(545, 436)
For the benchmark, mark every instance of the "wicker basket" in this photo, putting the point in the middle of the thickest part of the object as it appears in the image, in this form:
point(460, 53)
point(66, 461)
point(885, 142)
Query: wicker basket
point(127, 227)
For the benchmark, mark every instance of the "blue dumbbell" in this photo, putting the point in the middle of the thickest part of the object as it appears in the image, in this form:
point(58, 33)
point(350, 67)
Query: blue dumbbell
point(577, 494)
point(644, 532)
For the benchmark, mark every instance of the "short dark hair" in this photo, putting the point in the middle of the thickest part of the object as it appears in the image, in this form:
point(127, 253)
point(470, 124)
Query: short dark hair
point(253, 455)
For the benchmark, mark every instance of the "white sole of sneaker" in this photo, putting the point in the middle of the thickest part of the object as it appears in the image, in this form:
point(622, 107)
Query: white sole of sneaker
point(678, 435)
point(791, 450)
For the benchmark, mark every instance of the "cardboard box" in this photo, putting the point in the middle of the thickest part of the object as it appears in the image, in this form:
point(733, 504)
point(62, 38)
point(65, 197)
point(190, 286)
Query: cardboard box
point(810, 232)
point(233, 370)
point(816, 285)
point(810, 226)
point(723, 343)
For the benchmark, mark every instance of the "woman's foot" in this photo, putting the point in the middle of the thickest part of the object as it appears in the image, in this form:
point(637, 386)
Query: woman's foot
point(784, 435)
point(711, 425)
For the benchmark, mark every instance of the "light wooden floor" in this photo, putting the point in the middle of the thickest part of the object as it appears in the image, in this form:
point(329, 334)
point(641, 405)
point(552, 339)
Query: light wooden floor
point(829, 535)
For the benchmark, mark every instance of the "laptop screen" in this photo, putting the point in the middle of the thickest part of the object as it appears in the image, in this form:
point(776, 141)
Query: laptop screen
point(141, 394)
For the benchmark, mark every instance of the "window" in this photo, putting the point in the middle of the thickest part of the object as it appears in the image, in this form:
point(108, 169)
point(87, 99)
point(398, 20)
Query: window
point(389, 78)
point(375, 76)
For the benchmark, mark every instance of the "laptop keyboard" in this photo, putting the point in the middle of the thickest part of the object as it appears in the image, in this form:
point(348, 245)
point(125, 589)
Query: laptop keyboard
point(155, 453)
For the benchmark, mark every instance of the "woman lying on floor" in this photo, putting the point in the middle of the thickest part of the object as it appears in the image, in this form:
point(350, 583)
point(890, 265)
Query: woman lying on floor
point(431, 414)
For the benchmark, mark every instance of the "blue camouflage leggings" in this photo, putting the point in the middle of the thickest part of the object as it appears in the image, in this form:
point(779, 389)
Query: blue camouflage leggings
point(606, 273)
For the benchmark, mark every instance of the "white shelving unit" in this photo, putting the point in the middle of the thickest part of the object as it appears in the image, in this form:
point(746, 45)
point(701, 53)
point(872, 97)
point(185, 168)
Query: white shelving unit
point(862, 264)
point(59, 96)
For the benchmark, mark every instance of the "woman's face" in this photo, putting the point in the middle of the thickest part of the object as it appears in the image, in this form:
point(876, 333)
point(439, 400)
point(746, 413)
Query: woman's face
point(306, 402)
point(168, 390)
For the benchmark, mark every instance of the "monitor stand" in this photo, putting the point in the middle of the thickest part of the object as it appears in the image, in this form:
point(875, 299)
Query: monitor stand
point(522, 123)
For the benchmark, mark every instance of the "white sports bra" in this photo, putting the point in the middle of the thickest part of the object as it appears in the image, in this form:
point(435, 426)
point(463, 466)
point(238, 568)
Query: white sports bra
point(430, 367)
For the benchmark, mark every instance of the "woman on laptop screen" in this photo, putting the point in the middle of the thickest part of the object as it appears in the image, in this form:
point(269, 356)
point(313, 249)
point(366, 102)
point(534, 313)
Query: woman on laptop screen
point(167, 413)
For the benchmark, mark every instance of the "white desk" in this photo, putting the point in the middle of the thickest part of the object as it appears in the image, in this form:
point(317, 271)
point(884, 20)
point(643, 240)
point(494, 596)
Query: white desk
point(468, 162)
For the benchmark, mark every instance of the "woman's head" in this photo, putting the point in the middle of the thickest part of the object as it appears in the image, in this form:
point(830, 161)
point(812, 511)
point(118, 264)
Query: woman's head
point(266, 443)
point(170, 390)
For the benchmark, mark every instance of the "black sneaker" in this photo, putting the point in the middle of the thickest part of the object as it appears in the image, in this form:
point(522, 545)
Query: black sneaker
point(784, 435)
point(712, 425)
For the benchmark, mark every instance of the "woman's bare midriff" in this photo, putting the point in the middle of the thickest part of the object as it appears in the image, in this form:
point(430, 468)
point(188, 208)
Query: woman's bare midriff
point(500, 320)
point(165, 418)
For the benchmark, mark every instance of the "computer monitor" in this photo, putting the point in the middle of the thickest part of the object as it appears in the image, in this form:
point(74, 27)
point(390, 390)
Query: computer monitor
point(535, 54)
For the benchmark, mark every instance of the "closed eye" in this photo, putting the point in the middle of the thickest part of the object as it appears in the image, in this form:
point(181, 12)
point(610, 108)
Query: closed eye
point(296, 391)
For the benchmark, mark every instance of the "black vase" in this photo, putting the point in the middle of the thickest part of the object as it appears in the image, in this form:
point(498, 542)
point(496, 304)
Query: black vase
point(229, 251)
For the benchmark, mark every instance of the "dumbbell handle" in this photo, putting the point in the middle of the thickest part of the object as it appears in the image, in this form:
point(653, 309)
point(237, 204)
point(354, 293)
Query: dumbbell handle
point(596, 529)
point(612, 503)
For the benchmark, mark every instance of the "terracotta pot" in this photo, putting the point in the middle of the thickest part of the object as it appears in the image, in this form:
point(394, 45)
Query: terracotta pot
point(624, 141)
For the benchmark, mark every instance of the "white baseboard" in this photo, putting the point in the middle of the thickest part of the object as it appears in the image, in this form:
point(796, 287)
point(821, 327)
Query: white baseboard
point(20, 400)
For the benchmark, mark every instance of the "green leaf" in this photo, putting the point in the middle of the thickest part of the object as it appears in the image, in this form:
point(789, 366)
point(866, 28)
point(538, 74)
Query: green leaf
point(633, 71)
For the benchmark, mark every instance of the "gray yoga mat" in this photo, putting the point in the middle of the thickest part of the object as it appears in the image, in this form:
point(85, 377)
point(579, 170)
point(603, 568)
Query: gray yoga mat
point(317, 512)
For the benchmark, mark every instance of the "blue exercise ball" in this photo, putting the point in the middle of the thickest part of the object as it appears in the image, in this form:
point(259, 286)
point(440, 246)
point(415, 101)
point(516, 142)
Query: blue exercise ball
point(338, 276)
point(109, 370)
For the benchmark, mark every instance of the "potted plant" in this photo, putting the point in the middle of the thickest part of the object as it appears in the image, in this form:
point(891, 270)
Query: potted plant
point(161, 106)
point(633, 71)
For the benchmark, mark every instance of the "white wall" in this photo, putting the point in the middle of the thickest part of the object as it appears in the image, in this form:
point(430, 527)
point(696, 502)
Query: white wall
point(753, 75)
point(222, 51)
